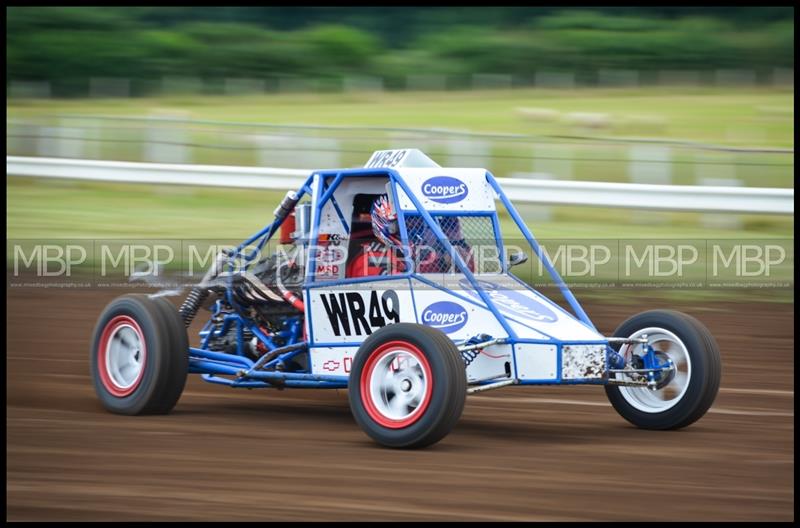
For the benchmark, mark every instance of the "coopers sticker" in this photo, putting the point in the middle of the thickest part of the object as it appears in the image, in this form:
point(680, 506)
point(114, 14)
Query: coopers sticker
point(446, 316)
point(444, 189)
point(512, 302)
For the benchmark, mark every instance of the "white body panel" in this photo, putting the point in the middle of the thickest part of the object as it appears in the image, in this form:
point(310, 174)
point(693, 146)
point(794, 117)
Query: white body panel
point(335, 218)
point(452, 314)
point(530, 314)
point(330, 221)
point(460, 319)
point(349, 313)
point(332, 361)
point(446, 190)
point(536, 362)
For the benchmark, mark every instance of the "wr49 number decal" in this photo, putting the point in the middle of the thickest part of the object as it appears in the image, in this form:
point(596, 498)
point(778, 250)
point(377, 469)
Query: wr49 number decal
point(360, 313)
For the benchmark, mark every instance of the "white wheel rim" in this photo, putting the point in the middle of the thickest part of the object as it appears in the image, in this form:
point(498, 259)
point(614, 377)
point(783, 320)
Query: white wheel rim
point(124, 356)
point(655, 401)
point(398, 384)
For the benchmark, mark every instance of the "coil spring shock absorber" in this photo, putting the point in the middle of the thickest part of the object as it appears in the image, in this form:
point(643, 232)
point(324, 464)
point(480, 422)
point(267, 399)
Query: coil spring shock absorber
point(470, 355)
point(474, 351)
point(199, 294)
point(192, 303)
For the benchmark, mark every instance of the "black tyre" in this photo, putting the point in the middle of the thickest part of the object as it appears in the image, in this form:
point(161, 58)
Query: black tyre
point(690, 392)
point(179, 346)
point(407, 386)
point(139, 356)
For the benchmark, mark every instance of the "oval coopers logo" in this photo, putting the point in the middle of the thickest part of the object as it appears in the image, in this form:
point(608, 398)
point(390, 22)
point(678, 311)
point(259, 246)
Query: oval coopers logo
point(446, 316)
point(444, 189)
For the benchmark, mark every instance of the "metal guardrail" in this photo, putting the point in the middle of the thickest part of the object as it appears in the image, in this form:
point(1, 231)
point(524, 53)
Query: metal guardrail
point(616, 195)
point(157, 173)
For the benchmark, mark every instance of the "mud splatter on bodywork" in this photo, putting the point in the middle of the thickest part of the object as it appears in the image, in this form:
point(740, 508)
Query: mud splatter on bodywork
point(583, 361)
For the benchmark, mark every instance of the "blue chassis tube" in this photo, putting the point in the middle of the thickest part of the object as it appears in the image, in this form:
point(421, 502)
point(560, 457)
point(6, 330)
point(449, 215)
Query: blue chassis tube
point(213, 364)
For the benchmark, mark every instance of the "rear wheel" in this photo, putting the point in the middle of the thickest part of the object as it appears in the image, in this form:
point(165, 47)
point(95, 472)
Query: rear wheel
point(139, 356)
point(407, 386)
point(685, 395)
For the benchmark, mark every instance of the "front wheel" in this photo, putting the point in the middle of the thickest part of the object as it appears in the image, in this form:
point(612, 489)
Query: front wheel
point(686, 395)
point(407, 386)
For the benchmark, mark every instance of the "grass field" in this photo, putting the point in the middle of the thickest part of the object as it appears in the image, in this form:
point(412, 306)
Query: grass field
point(744, 116)
point(39, 208)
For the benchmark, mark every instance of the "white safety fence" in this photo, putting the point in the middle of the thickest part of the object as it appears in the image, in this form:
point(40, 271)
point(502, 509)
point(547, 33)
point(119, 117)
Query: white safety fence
point(543, 79)
point(709, 199)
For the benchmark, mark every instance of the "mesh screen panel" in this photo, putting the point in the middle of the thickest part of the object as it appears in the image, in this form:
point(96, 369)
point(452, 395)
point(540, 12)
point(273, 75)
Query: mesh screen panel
point(472, 236)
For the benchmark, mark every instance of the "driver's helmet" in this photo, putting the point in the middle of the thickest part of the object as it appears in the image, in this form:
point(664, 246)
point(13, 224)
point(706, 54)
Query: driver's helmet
point(425, 247)
point(384, 222)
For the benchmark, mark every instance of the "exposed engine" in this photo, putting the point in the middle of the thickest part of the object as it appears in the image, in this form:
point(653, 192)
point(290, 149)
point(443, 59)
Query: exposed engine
point(267, 292)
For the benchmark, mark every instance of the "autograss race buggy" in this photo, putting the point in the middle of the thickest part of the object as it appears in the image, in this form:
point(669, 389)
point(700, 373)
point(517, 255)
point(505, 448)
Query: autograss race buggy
point(409, 342)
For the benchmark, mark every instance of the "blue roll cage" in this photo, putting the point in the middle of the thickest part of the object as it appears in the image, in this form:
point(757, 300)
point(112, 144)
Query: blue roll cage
point(265, 372)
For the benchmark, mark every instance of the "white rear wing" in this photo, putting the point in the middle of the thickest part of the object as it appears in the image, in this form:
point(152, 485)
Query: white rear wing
point(395, 159)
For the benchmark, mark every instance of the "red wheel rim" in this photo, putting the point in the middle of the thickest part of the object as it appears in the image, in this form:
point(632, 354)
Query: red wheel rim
point(410, 378)
point(111, 360)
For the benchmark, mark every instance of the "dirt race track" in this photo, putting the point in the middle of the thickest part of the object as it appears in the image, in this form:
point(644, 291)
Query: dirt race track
point(559, 453)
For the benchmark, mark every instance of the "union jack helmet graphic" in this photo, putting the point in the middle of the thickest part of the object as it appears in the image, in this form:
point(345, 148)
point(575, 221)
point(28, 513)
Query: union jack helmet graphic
point(384, 222)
